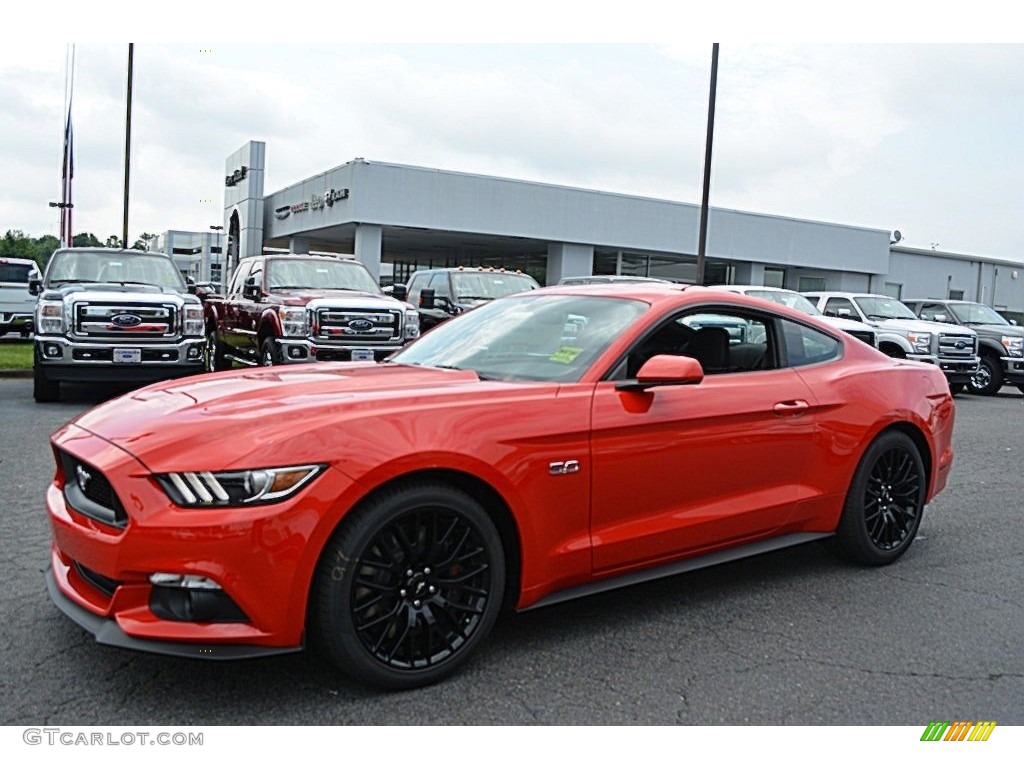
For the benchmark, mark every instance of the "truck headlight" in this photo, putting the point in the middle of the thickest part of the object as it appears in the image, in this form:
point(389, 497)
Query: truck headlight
point(237, 488)
point(412, 324)
point(294, 321)
point(50, 317)
point(921, 342)
point(1014, 345)
point(193, 325)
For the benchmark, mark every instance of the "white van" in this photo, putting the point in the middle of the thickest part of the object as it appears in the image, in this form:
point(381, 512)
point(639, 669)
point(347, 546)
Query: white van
point(17, 305)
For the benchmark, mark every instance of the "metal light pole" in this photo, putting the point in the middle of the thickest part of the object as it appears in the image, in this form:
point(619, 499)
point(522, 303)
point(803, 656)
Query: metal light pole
point(703, 239)
point(127, 145)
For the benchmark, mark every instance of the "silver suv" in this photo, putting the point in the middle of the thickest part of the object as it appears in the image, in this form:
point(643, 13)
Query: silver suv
point(17, 304)
point(902, 334)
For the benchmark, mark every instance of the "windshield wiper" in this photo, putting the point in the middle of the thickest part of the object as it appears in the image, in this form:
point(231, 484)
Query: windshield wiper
point(476, 298)
point(456, 368)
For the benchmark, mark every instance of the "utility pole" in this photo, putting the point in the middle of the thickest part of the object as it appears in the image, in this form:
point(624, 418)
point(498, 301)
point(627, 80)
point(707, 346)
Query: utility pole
point(127, 145)
point(703, 241)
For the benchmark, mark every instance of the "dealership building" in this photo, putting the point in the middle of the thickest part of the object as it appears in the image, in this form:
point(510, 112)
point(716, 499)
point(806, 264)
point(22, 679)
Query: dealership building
point(399, 218)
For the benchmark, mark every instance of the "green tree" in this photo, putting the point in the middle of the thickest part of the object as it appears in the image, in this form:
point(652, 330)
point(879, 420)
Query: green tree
point(86, 240)
point(113, 242)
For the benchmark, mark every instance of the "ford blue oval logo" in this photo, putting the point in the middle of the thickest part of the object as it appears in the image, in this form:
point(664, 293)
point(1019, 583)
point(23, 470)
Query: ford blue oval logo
point(126, 320)
point(360, 325)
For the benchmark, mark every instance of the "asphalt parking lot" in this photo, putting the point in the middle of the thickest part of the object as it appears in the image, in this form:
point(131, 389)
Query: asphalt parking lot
point(794, 637)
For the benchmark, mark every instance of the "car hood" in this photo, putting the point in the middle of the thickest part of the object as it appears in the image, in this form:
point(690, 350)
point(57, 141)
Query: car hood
point(845, 323)
point(296, 414)
point(920, 326)
point(300, 297)
point(1001, 330)
point(114, 292)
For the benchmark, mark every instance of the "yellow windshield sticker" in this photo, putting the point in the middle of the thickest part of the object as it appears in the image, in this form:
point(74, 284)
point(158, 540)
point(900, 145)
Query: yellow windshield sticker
point(566, 355)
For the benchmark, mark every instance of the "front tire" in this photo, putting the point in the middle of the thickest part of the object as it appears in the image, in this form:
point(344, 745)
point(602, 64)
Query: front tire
point(214, 354)
point(989, 377)
point(884, 504)
point(43, 389)
point(409, 586)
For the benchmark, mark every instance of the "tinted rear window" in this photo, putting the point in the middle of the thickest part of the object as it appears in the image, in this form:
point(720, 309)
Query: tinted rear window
point(14, 273)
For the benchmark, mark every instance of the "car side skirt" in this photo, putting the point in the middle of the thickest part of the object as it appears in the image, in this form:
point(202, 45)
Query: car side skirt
point(678, 567)
point(107, 632)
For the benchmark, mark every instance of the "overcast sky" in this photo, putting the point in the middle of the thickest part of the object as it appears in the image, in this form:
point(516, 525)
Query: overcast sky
point(924, 138)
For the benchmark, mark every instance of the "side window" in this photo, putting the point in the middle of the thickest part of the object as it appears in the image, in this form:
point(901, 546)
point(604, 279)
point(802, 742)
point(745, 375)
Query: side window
point(726, 341)
point(439, 282)
point(806, 346)
point(840, 307)
point(239, 279)
point(416, 283)
point(257, 274)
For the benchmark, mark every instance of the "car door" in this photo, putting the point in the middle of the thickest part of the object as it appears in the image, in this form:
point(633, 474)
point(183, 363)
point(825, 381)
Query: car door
point(678, 470)
point(236, 312)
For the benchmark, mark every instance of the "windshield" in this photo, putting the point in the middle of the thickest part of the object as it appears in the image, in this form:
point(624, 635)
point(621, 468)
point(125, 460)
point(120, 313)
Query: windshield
point(323, 274)
point(490, 285)
point(977, 314)
point(882, 308)
point(536, 338)
point(105, 267)
point(787, 299)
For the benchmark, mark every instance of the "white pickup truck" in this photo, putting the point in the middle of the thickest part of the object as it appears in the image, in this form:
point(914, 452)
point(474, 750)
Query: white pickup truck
point(106, 314)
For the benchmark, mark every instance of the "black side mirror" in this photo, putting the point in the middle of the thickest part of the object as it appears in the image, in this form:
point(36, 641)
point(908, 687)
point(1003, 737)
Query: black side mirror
point(427, 298)
point(190, 284)
point(400, 291)
point(251, 290)
point(35, 286)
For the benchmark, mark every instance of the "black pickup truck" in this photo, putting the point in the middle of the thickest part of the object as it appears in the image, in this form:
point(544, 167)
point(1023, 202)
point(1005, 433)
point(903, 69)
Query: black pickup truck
point(1000, 343)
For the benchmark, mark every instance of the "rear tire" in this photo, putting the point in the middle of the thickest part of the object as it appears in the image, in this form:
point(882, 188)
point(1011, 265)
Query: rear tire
point(883, 507)
point(270, 354)
point(43, 389)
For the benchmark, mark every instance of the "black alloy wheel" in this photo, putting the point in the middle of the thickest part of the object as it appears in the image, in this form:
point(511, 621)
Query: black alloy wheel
point(269, 353)
point(885, 502)
point(409, 586)
point(213, 360)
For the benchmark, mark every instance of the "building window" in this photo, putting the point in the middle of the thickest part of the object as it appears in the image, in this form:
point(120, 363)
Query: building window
point(810, 284)
point(774, 278)
point(956, 295)
point(893, 290)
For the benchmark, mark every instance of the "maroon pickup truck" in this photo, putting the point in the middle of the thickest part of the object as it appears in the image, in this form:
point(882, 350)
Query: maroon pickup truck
point(303, 308)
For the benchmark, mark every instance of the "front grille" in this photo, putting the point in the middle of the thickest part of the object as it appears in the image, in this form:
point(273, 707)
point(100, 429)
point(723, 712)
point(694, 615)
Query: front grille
point(355, 326)
point(107, 355)
point(957, 345)
point(89, 493)
point(124, 321)
point(100, 582)
point(868, 337)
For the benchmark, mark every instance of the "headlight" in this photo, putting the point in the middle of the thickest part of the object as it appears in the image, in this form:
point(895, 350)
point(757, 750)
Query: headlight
point(50, 317)
point(1014, 345)
point(237, 488)
point(921, 342)
point(294, 321)
point(193, 320)
point(412, 324)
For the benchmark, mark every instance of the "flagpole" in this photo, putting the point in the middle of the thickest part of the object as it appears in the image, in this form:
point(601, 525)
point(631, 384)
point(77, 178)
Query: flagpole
point(127, 145)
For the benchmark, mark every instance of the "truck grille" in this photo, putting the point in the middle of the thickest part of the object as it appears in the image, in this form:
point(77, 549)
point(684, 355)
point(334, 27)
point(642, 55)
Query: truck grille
point(358, 326)
point(89, 493)
point(957, 345)
point(124, 321)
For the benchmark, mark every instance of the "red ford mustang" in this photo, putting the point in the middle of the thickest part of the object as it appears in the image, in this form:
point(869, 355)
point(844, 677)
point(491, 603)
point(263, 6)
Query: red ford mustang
point(541, 447)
